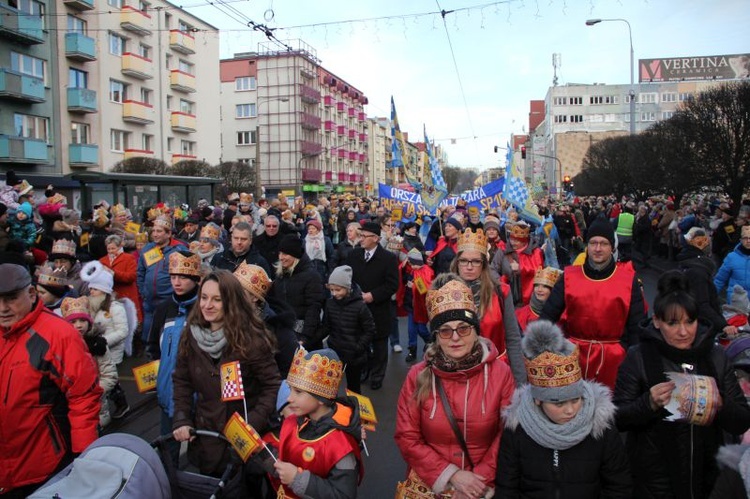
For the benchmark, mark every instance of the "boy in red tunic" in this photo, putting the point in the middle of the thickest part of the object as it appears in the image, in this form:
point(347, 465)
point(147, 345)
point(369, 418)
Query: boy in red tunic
point(319, 451)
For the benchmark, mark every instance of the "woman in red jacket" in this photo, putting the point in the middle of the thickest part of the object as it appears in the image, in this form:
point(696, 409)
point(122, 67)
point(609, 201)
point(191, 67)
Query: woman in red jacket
point(124, 265)
point(448, 422)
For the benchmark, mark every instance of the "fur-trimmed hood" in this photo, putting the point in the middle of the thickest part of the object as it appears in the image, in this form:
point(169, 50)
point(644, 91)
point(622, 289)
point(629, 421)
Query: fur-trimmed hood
point(736, 457)
point(604, 409)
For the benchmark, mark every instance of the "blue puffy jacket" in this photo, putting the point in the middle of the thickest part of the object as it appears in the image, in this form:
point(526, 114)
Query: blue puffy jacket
point(153, 281)
point(734, 270)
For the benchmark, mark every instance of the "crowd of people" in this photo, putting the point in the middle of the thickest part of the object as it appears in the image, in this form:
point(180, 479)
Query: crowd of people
point(537, 371)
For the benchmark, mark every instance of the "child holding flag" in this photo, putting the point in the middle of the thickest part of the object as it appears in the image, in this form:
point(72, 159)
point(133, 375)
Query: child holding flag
point(416, 278)
point(319, 451)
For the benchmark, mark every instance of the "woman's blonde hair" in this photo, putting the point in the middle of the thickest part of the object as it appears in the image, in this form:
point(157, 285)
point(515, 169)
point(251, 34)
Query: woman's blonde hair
point(486, 283)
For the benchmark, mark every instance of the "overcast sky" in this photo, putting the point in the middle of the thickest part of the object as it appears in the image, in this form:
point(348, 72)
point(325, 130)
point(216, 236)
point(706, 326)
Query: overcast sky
point(503, 52)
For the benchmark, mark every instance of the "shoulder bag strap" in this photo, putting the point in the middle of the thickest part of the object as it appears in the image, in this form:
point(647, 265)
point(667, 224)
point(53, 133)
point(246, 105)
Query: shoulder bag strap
point(452, 420)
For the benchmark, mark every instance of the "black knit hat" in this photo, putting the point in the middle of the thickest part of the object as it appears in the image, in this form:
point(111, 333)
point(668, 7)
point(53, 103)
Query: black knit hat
point(291, 245)
point(601, 228)
point(11, 179)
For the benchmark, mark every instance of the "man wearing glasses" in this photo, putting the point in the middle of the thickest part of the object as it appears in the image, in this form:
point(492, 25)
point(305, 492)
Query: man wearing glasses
point(268, 242)
point(603, 303)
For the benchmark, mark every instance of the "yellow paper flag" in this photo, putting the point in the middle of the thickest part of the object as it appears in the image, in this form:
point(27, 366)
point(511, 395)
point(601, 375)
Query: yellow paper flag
point(132, 227)
point(153, 256)
point(397, 214)
point(145, 376)
point(366, 409)
point(243, 437)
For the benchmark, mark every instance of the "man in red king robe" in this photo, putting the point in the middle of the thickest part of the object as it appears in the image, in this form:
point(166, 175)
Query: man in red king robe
point(603, 303)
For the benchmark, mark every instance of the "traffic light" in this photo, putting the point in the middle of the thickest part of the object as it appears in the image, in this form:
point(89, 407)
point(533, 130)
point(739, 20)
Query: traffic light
point(566, 179)
point(566, 183)
point(523, 152)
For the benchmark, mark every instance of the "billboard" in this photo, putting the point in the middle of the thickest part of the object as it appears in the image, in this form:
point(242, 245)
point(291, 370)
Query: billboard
point(712, 67)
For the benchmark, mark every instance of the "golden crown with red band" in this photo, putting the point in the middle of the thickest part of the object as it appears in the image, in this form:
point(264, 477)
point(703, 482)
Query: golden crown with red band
point(553, 370)
point(211, 231)
point(452, 296)
point(519, 230)
point(316, 373)
point(75, 308)
point(164, 222)
point(159, 210)
point(183, 264)
point(48, 276)
point(547, 276)
point(470, 240)
point(254, 279)
point(63, 247)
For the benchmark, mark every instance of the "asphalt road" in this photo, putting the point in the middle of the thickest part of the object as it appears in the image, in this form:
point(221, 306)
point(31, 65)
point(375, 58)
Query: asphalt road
point(384, 467)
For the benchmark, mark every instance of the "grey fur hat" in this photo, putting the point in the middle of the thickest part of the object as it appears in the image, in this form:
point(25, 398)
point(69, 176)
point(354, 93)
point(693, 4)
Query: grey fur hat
point(552, 364)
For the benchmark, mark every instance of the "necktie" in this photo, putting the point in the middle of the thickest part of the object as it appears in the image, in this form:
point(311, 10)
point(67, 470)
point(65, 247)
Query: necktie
point(368, 255)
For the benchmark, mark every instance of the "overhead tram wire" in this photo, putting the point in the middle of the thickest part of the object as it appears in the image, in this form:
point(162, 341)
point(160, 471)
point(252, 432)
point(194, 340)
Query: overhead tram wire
point(207, 3)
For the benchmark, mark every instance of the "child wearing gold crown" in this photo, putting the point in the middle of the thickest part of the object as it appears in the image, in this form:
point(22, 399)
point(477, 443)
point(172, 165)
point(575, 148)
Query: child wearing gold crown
point(559, 438)
point(319, 452)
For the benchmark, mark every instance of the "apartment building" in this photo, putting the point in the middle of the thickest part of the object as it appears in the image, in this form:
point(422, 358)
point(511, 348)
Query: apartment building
point(104, 82)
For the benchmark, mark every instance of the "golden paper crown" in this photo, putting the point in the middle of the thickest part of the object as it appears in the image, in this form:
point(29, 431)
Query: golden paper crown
point(316, 374)
point(141, 237)
point(57, 198)
point(184, 265)
point(100, 217)
point(72, 307)
point(194, 246)
point(547, 276)
point(117, 210)
point(211, 231)
point(254, 279)
point(520, 231)
point(246, 198)
point(395, 244)
point(453, 296)
point(164, 222)
point(552, 370)
point(48, 276)
point(474, 241)
point(64, 247)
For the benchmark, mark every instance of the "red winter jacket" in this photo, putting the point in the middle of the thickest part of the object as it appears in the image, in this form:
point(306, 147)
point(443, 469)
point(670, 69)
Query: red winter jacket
point(49, 397)
point(476, 396)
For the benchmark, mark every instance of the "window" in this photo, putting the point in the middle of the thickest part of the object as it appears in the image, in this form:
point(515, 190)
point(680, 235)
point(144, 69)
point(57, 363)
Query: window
point(186, 106)
point(118, 140)
point(245, 138)
point(245, 111)
point(686, 96)
point(76, 25)
point(78, 78)
point(603, 99)
point(667, 114)
point(144, 51)
point(115, 3)
point(576, 101)
point(560, 101)
point(187, 147)
point(116, 44)
point(561, 119)
point(576, 118)
point(147, 141)
point(169, 102)
point(245, 83)
point(31, 7)
point(649, 98)
point(170, 140)
point(184, 27)
point(168, 61)
point(669, 97)
point(628, 98)
point(143, 6)
point(185, 67)
point(146, 95)
point(27, 65)
point(117, 91)
point(31, 127)
point(80, 133)
point(648, 116)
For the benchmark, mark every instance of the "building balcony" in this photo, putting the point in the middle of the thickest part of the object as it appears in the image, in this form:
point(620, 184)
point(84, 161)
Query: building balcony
point(328, 126)
point(329, 101)
point(362, 157)
point(137, 66)
point(328, 176)
point(82, 100)
point(309, 94)
point(361, 116)
point(310, 148)
point(342, 176)
point(137, 112)
point(176, 158)
point(310, 121)
point(20, 27)
point(311, 175)
point(83, 155)
point(181, 81)
point(352, 134)
point(341, 153)
point(79, 47)
point(136, 21)
point(23, 150)
point(183, 122)
point(14, 85)
point(80, 4)
point(137, 153)
point(351, 112)
point(362, 137)
point(181, 41)
point(352, 156)
point(341, 130)
point(341, 107)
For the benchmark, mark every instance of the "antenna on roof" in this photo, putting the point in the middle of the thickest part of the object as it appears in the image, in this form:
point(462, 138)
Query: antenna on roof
point(556, 63)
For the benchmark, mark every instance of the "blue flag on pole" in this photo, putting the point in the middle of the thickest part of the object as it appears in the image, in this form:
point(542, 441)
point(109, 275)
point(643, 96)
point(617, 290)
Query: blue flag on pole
point(435, 189)
point(517, 192)
point(399, 151)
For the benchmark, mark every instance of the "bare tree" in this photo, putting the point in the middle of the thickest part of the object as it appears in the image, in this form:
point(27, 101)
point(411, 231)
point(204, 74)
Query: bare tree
point(237, 176)
point(141, 164)
point(191, 168)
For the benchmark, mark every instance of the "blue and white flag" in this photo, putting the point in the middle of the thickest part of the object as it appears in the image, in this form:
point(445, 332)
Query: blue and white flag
point(435, 189)
point(517, 192)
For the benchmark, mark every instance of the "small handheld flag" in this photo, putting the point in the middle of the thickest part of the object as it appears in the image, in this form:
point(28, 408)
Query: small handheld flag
point(366, 410)
point(145, 376)
point(243, 437)
point(231, 382)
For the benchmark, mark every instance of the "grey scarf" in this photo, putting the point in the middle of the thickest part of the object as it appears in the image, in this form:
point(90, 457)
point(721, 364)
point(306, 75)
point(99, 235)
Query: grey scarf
point(211, 342)
point(536, 304)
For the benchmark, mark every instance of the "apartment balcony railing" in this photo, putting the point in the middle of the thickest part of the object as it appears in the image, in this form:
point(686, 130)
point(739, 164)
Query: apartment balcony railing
point(181, 81)
point(329, 126)
point(310, 121)
point(181, 41)
point(20, 27)
point(341, 107)
point(137, 112)
point(341, 153)
point(136, 21)
point(17, 86)
point(79, 47)
point(183, 122)
point(352, 134)
point(361, 116)
point(328, 176)
point(342, 176)
point(83, 155)
point(352, 156)
point(311, 175)
point(351, 112)
point(138, 153)
point(176, 158)
point(80, 4)
point(310, 148)
point(362, 157)
point(341, 130)
point(329, 101)
point(23, 150)
point(362, 137)
point(309, 94)
point(136, 66)
point(82, 100)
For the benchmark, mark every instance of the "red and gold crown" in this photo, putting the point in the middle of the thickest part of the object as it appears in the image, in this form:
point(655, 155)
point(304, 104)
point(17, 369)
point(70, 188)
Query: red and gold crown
point(141, 237)
point(246, 198)
point(211, 231)
point(48, 276)
point(254, 279)
point(519, 230)
point(164, 222)
point(453, 296)
point(63, 247)
point(472, 241)
point(553, 370)
point(547, 276)
point(75, 308)
point(159, 210)
point(184, 265)
point(315, 373)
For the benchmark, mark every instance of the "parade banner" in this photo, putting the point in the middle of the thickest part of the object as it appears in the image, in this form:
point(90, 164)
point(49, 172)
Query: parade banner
point(486, 197)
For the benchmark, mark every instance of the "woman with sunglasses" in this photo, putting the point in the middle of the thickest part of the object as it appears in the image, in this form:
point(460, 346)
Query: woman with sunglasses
point(448, 422)
point(493, 300)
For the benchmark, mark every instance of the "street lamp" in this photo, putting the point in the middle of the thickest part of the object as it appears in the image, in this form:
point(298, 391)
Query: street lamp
point(592, 22)
point(559, 166)
point(258, 188)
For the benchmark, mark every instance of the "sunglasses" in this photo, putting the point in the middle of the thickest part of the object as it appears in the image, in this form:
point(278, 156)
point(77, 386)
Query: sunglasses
point(446, 332)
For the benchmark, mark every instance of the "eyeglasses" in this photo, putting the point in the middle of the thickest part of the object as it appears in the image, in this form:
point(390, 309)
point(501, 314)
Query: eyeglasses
point(446, 332)
point(271, 226)
point(599, 244)
point(469, 263)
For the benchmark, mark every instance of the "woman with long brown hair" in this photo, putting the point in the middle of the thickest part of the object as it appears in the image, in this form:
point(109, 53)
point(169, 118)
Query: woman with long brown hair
point(223, 330)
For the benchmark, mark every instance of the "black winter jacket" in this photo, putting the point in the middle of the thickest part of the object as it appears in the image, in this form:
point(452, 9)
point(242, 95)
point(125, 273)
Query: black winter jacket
point(658, 448)
point(378, 276)
point(227, 260)
point(350, 327)
point(279, 318)
point(700, 269)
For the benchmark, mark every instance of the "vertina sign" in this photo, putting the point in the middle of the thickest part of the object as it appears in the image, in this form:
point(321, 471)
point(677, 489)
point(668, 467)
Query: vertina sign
point(712, 67)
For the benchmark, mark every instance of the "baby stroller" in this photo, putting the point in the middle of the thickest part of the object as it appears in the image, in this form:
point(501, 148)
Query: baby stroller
point(116, 465)
point(190, 485)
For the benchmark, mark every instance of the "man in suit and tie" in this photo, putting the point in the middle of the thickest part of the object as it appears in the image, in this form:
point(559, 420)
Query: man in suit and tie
point(375, 270)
